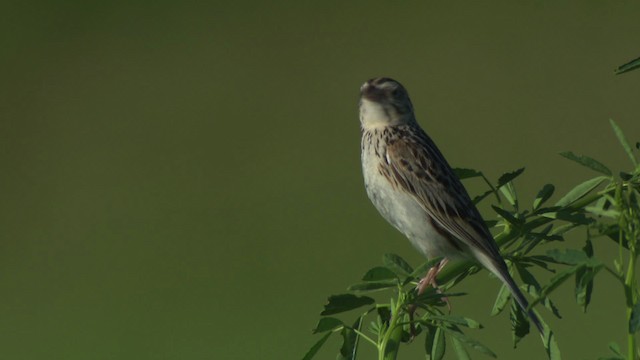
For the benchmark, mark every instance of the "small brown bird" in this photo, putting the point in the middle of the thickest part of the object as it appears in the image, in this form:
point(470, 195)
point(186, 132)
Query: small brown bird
point(414, 188)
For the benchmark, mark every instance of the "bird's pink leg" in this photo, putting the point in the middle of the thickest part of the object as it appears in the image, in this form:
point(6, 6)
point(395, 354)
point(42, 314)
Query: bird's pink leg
point(429, 279)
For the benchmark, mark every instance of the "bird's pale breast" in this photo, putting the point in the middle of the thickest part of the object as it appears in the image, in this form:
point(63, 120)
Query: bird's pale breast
point(402, 210)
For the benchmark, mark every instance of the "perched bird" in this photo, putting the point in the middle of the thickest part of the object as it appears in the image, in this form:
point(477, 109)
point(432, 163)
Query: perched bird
point(414, 188)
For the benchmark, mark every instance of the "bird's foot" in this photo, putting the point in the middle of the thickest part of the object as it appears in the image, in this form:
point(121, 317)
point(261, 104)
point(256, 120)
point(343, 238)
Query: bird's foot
point(428, 279)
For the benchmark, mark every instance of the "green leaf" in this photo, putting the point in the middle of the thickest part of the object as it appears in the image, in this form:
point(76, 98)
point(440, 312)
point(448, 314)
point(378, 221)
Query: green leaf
point(537, 237)
point(459, 349)
point(509, 192)
point(623, 142)
point(373, 285)
point(392, 348)
point(573, 217)
point(634, 322)
point(314, 349)
point(543, 195)
point(526, 276)
point(434, 344)
point(545, 258)
point(519, 323)
point(562, 229)
point(615, 348)
point(603, 202)
point(584, 279)
point(535, 293)
point(532, 240)
point(505, 178)
point(474, 344)
point(568, 256)
point(384, 313)
point(587, 161)
point(580, 191)
point(397, 264)
point(551, 345)
point(350, 338)
point(501, 300)
point(559, 278)
point(584, 285)
point(625, 176)
point(480, 197)
point(609, 213)
point(433, 297)
point(379, 273)
point(541, 261)
point(507, 216)
point(345, 302)
point(457, 320)
point(546, 210)
point(612, 231)
point(463, 173)
point(327, 324)
point(631, 65)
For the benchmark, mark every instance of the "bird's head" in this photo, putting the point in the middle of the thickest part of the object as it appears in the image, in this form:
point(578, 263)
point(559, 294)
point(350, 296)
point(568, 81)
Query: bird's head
point(384, 102)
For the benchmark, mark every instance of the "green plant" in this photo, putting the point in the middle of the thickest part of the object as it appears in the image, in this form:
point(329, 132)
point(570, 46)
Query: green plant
point(631, 65)
point(605, 206)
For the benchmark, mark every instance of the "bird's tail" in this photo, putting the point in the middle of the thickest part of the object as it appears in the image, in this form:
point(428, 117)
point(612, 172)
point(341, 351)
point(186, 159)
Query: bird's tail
point(499, 268)
point(520, 299)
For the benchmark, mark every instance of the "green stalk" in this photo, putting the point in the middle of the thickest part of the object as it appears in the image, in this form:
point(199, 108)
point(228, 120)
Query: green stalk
point(388, 349)
point(627, 224)
point(629, 290)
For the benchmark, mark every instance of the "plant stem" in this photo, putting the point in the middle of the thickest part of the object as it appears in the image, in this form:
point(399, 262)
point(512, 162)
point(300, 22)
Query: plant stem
point(388, 349)
point(629, 288)
point(627, 224)
point(364, 336)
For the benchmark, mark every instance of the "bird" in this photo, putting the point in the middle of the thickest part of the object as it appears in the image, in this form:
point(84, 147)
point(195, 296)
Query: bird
point(414, 188)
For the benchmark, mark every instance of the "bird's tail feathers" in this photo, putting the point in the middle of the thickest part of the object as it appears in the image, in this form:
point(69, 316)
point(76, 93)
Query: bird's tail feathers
point(499, 269)
point(520, 299)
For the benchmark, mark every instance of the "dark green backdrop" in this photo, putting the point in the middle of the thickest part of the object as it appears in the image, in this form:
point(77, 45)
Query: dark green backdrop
point(181, 180)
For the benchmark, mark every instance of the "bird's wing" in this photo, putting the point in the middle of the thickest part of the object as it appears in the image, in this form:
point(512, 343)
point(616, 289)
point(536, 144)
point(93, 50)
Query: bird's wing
point(416, 165)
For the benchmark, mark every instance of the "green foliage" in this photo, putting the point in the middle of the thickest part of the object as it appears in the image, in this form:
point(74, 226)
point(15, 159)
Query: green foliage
point(606, 206)
point(345, 302)
point(587, 161)
point(631, 65)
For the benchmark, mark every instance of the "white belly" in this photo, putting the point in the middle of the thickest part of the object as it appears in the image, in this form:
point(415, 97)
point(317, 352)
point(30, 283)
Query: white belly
point(404, 212)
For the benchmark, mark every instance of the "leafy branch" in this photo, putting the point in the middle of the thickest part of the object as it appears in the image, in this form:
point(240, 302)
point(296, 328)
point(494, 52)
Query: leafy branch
point(604, 206)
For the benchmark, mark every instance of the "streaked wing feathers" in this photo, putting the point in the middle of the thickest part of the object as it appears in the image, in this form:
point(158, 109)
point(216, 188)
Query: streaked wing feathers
point(420, 169)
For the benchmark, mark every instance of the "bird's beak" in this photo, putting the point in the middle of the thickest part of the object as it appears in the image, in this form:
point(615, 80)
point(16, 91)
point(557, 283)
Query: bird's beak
point(371, 92)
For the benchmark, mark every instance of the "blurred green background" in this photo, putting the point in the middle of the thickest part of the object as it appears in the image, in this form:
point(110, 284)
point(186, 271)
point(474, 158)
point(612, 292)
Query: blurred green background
point(181, 180)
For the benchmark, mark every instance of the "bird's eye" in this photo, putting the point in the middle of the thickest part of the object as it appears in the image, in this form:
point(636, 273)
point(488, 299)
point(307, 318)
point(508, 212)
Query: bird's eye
point(395, 93)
